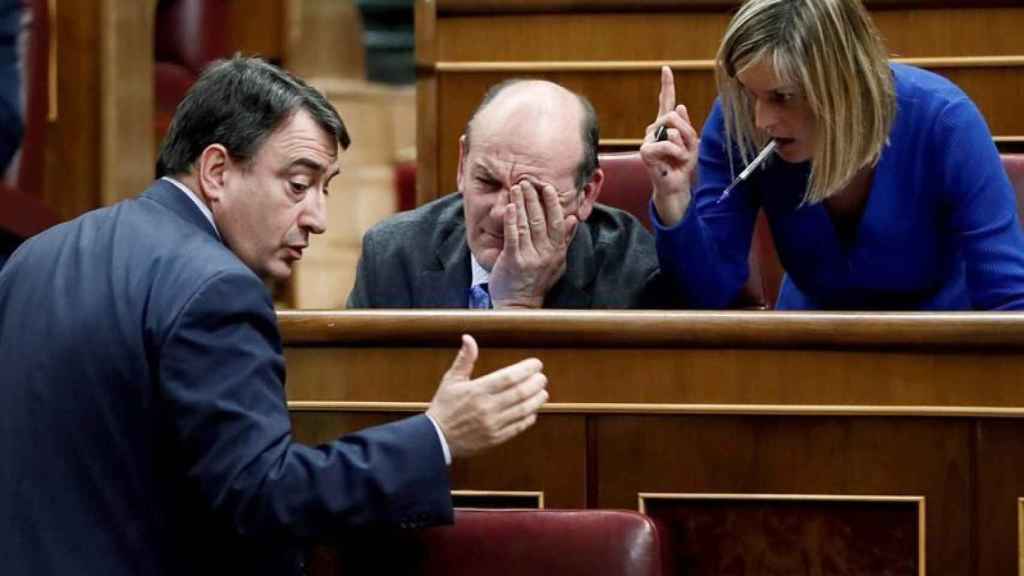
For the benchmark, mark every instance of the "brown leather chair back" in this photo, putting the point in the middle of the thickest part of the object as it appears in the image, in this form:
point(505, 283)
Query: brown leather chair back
point(23, 211)
point(26, 171)
point(1014, 164)
point(627, 187)
point(189, 35)
point(510, 542)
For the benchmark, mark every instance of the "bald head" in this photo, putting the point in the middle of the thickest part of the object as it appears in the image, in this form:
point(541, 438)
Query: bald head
point(539, 115)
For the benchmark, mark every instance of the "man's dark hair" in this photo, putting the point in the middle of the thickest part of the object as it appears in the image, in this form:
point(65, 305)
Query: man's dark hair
point(238, 103)
point(589, 131)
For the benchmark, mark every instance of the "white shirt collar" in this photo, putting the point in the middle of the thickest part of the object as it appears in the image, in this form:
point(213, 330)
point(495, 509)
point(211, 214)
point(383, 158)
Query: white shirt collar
point(480, 275)
point(195, 199)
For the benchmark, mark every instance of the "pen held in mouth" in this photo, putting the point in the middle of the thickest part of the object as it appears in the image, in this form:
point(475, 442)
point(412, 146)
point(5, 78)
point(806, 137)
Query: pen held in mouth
point(763, 155)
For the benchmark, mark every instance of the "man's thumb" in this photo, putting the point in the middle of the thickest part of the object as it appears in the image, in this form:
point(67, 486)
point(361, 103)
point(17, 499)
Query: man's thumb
point(462, 366)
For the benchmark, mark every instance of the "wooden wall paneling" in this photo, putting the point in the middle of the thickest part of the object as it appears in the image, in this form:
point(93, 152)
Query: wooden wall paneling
point(875, 405)
point(257, 27)
point(1000, 480)
point(72, 179)
point(580, 37)
point(799, 534)
point(965, 31)
point(128, 148)
point(455, 7)
point(679, 379)
point(99, 146)
point(324, 39)
point(427, 128)
point(555, 438)
point(695, 36)
point(997, 90)
point(565, 33)
point(429, 135)
point(826, 456)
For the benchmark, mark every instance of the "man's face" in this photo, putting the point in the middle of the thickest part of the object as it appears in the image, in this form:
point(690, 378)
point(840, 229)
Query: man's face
point(268, 208)
point(504, 152)
point(781, 110)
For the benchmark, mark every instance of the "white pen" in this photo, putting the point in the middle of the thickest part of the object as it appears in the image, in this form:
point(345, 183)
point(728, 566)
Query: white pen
point(761, 157)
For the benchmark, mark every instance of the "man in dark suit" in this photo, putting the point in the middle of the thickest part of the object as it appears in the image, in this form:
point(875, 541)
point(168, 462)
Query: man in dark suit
point(524, 230)
point(143, 427)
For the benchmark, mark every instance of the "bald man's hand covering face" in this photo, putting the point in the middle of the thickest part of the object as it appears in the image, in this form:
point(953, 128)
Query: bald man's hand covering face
point(517, 175)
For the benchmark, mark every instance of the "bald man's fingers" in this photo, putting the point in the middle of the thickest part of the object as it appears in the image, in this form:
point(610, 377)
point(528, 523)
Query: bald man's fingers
point(556, 219)
point(508, 220)
point(538, 222)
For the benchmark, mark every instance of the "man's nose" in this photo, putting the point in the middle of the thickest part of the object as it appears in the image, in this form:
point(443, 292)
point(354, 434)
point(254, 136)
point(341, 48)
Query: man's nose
point(314, 212)
point(502, 200)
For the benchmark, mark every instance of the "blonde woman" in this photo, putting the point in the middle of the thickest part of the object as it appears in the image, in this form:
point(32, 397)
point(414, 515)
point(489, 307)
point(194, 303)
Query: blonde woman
point(883, 187)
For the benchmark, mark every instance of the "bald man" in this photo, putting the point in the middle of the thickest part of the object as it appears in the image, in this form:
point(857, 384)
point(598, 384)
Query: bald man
point(524, 230)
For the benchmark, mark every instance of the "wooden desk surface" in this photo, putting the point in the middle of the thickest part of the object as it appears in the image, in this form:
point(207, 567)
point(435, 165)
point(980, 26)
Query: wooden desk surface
point(753, 362)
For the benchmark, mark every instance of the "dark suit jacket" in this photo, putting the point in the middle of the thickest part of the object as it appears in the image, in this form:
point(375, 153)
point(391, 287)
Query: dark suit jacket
point(420, 259)
point(143, 426)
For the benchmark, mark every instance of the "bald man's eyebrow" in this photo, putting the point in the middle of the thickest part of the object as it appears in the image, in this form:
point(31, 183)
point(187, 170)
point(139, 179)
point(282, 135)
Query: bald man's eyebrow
point(482, 171)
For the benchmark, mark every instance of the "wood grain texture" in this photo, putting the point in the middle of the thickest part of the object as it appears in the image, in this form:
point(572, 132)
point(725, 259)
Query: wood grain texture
point(608, 373)
point(769, 534)
point(450, 7)
point(72, 179)
point(1000, 479)
point(842, 457)
point(644, 329)
point(554, 438)
point(642, 35)
point(696, 36)
point(128, 150)
point(623, 113)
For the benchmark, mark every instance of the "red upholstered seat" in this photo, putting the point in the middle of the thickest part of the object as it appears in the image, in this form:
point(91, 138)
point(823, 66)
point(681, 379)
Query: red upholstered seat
point(510, 542)
point(1014, 164)
point(626, 184)
point(22, 210)
point(189, 35)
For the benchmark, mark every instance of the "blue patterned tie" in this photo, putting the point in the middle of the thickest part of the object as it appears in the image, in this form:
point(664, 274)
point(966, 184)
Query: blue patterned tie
point(479, 298)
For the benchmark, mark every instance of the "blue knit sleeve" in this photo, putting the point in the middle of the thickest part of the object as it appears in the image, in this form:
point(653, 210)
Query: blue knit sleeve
point(983, 207)
point(706, 252)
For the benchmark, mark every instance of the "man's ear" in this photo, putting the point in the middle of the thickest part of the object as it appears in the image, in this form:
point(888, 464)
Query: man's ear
point(462, 157)
point(591, 190)
point(211, 168)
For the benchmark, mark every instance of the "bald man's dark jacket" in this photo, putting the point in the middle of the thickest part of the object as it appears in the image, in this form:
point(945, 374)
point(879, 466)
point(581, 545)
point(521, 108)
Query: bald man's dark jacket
point(143, 426)
point(420, 259)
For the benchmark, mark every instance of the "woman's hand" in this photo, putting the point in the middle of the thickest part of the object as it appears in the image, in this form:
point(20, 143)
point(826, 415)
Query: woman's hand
point(671, 162)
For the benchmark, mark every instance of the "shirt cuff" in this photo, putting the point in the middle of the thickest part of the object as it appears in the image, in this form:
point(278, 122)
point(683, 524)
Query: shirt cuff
point(444, 443)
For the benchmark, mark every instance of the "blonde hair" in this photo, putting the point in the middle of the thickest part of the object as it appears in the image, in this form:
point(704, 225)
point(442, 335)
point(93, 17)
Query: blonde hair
point(834, 53)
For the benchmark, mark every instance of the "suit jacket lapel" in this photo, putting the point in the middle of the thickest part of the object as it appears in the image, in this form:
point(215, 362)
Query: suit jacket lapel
point(445, 279)
point(574, 289)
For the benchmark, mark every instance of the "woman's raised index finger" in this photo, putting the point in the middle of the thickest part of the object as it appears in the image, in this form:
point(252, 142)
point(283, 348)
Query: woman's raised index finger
point(667, 95)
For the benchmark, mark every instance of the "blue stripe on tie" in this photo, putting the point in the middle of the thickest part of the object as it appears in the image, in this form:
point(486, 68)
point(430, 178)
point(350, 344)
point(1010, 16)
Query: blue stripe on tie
point(479, 298)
